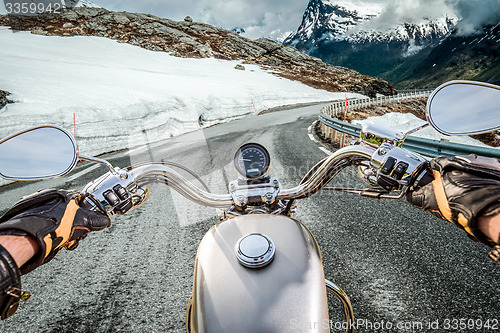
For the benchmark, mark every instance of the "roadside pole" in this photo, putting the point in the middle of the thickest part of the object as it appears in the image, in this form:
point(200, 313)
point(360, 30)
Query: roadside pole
point(345, 119)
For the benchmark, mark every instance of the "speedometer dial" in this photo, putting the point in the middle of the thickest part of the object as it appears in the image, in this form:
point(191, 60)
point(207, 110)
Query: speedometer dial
point(252, 160)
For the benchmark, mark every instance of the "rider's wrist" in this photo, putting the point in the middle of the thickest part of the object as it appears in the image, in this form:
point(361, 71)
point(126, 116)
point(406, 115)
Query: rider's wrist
point(490, 227)
point(20, 248)
point(10, 284)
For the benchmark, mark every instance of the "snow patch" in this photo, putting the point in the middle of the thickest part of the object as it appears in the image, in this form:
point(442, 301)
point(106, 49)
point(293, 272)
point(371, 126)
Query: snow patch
point(406, 121)
point(363, 8)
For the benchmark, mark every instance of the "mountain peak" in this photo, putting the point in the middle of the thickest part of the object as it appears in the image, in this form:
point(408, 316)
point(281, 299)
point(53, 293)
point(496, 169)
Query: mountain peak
point(329, 19)
point(341, 20)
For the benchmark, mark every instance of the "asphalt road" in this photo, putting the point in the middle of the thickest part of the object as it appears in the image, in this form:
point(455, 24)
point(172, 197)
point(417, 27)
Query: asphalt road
point(404, 270)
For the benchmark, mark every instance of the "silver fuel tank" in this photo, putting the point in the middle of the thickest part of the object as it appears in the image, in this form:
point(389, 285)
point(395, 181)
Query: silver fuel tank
point(287, 295)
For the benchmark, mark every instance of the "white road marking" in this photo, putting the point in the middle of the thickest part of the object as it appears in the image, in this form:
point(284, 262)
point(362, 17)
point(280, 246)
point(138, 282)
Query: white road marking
point(311, 136)
point(326, 151)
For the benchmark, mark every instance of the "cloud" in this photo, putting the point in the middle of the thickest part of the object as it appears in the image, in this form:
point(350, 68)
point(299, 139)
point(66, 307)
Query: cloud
point(171, 9)
point(404, 11)
point(273, 18)
point(471, 14)
point(475, 14)
point(259, 18)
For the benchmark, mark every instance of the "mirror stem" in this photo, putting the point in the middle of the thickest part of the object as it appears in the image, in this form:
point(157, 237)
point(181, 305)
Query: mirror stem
point(415, 130)
point(100, 161)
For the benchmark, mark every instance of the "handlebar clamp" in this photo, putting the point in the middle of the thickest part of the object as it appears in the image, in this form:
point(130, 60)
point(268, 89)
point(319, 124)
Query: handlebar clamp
point(397, 168)
point(112, 193)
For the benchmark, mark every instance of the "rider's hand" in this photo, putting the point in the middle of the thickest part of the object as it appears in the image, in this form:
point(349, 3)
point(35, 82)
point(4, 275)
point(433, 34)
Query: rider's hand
point(464, 189)
point(54, 219)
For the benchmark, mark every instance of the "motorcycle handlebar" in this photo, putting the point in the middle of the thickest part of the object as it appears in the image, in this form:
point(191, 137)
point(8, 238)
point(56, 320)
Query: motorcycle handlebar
point(315, 180)
point(149, 173)
point(331, 166)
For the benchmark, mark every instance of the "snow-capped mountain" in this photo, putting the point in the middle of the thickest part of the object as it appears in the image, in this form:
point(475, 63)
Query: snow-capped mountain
point(330, 20)
point(427, 30)
point(325, 20)
point(341, 33)
point(163, 76)
point(238, 30)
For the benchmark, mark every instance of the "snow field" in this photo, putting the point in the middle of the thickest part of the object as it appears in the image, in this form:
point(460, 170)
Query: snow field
point(120, 93)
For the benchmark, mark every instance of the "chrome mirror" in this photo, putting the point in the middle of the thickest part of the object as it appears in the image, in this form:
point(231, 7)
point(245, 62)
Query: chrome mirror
point(464, 108)
point(38, 153)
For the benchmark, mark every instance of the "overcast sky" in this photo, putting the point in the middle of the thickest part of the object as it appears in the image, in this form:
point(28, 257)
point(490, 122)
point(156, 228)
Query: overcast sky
point(274, 18)
point(257, 17)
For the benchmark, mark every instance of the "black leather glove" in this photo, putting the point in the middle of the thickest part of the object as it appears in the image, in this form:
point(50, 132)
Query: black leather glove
point(464, 188)
point(55, 219)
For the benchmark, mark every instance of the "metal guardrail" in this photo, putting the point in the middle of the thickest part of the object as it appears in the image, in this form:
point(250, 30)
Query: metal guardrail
point(338, 125)
point(427, 147)
point(337, 109)
point(414, 90)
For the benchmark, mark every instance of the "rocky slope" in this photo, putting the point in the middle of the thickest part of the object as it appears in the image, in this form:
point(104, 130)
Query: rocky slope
point(475, 57)
point(338, 35)
point(415, 106)
point(197, 40)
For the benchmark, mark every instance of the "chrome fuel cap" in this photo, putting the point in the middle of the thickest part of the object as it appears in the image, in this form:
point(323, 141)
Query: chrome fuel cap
point(254, 250)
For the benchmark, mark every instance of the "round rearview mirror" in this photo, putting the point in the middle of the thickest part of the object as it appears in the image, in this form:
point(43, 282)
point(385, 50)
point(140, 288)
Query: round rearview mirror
point(464, 108)
point(37, 153)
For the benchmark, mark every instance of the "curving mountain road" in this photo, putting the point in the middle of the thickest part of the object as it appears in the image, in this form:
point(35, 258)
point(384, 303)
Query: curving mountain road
point(404, 270)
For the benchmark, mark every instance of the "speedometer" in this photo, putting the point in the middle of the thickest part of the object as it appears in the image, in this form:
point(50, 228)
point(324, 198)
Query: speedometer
point(252, 160)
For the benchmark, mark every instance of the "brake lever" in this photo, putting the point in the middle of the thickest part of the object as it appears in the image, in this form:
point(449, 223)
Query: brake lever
point(368, 192)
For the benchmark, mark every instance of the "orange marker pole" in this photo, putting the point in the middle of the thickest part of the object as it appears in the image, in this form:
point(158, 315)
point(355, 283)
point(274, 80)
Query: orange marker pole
point(74, 125)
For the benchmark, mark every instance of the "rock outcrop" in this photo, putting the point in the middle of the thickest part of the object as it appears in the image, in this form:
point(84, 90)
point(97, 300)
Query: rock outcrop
point(3, 98)
point(198, 40)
